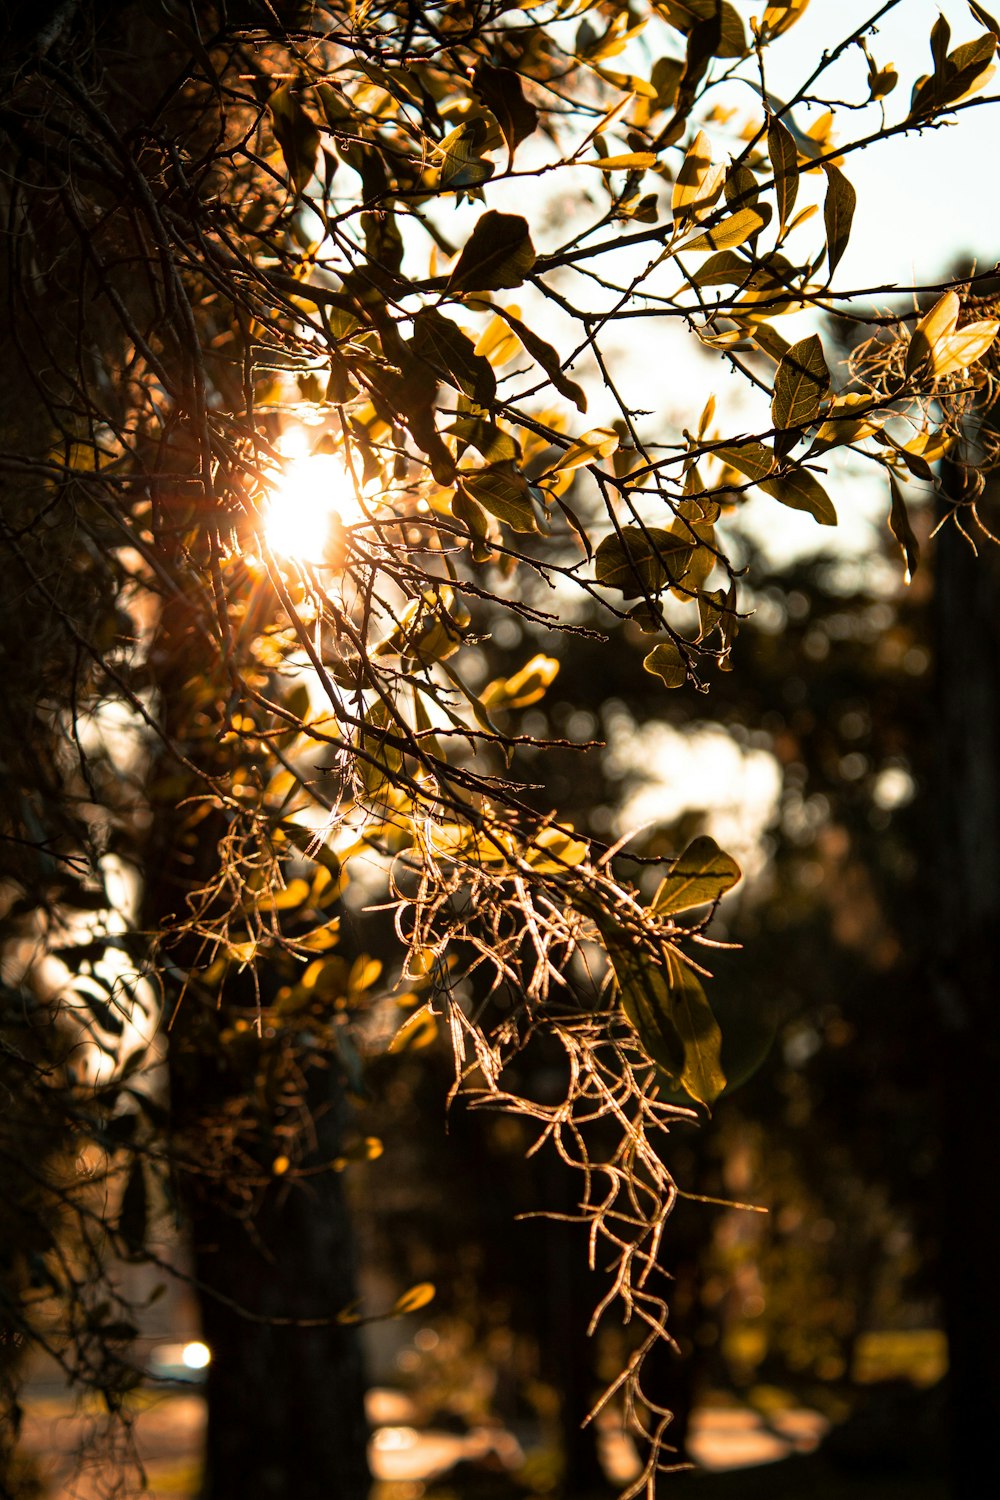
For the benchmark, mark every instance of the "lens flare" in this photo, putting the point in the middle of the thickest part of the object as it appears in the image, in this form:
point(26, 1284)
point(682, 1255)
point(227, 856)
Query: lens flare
point(312, 492)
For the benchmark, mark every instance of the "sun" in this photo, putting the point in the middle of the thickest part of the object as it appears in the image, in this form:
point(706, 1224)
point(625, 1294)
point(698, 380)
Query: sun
point(309, 496)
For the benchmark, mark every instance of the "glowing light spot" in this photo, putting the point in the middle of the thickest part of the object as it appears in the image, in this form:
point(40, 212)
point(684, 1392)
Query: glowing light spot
point(196, 1355)
point(312, 492)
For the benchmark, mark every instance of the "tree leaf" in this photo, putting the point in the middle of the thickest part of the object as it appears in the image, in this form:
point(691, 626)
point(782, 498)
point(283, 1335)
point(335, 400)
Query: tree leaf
point(600, 442)
point(645, 999)
point(546, 356)
point(932, 327)
point(698, 182)
point(984, 18)
point(800, 490)
point(702, 1076)
point(505, 494)
point(629, 161)
point(801, 381)
point(452, 355)
point(502, 92)
point(413, 1300)
point(462, 164)
point(778, 18)
point(296, 135)
point(727, 235)
point(838, 214)
point(963, 348)
point(665, 661)
point(727, 30)
point(642, 560)
point(498, 254)
point(697, 877)
point(752, 459)
point(899, 525)
point(785, 166)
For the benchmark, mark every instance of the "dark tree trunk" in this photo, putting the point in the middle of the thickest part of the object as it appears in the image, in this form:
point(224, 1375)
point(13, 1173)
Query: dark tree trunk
point(286, 1418)
point(967, 604)
point(273, 1254)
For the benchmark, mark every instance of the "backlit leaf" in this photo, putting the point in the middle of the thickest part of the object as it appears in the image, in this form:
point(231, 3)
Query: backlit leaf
point(932, 327)
point(800, 383)
point(785, 166)
point(546, 356)
point(838, 214)
point(698, 877)
point(778, 18)
point(629, 161)
point(296, 135)
point(801, 490)
point(702, 1076)
point(452, 354)
point(698, 182)
point(725, 236)
point(665, 661)
point(502, 92)
point(505, 494)
point(962, 348)
point(719, 20)
point(417, 1297)
point(498, 254)
point(642, 560)
point(899, 525)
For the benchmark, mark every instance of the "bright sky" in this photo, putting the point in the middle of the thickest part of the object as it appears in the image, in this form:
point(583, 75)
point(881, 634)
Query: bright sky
point(921, 198)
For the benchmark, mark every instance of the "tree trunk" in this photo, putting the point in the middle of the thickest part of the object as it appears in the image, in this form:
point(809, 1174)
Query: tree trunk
point(273, 1253)
point(967, 606)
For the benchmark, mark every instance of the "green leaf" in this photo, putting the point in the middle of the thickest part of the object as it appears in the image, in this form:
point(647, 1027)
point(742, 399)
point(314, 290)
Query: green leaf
point(296, 135)
point(838, 214)
point(800, 383)
point(751, 459)
point(501, 91)
point(727, 235)
point(452, 355)
point(785, 166)
point(702, 1076)
point(642, 560)
point(800, 490)
point(505, 494)
point(645, 999)
point(698, 877)
point(498, 254)
point(899, 525)
point(665, 661)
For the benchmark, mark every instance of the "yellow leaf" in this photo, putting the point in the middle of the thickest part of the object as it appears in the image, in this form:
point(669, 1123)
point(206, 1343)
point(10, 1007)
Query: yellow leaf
point(963, 348)
point(725, 236)
point(417, 1031)
point(933, 326)
point(699, 182)
point(600, 442)
point(417, 1297)
point(630, 161)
